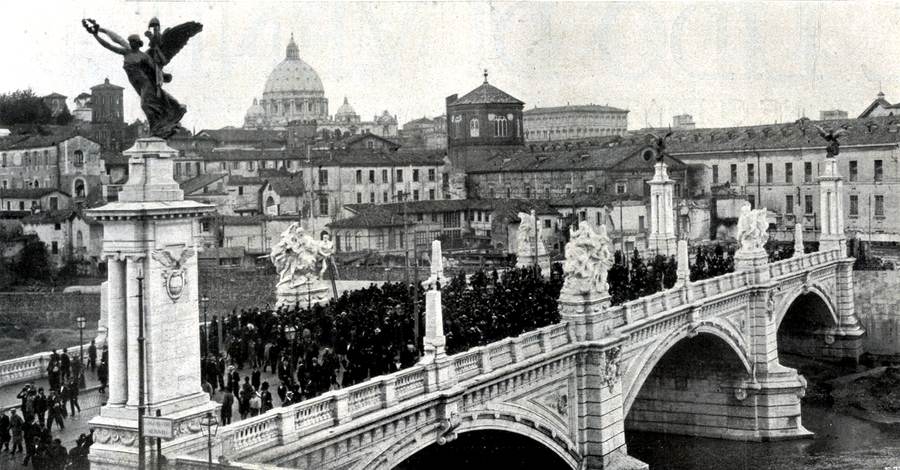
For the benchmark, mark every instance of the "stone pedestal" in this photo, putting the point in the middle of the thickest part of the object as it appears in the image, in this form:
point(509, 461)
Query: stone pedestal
point(753, 261)
point(831, 204)
point(307, 295)
point(150, 233)
point(527, 261)
point(662, 213)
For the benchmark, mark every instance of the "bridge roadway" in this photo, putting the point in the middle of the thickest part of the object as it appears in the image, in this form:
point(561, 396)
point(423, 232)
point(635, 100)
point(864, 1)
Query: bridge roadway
point(573, 386)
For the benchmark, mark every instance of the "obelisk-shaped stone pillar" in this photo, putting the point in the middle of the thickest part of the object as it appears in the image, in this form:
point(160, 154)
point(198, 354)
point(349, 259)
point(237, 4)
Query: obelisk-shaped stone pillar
point(662, 212)
point(798, 238)
point(438, 366)
point(831, 204)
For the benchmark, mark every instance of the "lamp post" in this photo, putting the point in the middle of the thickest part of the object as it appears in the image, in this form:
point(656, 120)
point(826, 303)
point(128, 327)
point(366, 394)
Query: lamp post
point(204, 302)
point(81, 322)
point(209, 426)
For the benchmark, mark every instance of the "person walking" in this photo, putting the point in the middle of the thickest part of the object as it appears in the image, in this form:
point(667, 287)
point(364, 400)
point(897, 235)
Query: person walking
point(92, 356)
point(227, 405)
point(4, 432)
point(65, 367)
point(73, 398)
point(15, 426)
point(102, 376)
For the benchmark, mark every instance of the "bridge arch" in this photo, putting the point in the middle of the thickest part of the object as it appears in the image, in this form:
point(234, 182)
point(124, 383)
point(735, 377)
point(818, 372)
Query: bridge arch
point(527, 426)
point(808, 292)
point(646, 362)
point(806, 323)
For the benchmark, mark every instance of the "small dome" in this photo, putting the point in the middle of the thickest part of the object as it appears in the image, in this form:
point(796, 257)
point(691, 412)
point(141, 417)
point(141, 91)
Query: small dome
point(255, 109)
point(386, 118)
point(345, 110)
point(293, 74)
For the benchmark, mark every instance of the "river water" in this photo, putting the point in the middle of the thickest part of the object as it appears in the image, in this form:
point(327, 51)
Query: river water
point(841, 442)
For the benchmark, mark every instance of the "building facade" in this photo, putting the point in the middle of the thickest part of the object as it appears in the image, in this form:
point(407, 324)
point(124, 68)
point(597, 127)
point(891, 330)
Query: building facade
point(62, 160)
point(574, 122)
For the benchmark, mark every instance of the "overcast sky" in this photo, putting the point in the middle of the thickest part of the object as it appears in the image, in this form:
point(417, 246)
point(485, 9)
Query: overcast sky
point(726, 64)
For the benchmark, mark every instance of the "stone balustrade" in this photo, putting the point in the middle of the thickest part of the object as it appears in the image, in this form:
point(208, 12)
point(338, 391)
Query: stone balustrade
point(245, 437)
point(801, 263)
point(34, 367)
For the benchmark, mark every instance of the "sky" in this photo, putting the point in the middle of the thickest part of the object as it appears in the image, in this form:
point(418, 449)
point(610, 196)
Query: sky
point(727, 64)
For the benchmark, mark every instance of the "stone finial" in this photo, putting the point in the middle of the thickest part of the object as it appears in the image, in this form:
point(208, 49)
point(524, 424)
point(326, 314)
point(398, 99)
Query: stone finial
point(684, 269)
point(798, 238)
point(436, 278)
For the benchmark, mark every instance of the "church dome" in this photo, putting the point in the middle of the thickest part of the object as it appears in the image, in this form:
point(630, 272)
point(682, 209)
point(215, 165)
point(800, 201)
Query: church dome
point(293, 75)
point(255, 109)
point(345, 109)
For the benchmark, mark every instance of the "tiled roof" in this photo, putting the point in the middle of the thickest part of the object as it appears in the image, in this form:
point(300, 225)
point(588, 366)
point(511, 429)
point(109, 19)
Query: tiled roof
point(422, 120)
point(239, 180)
point(287, 186)
point(371, 217)
point(454, 205)
point(200, 181)
point(236, 134)
point(596, 199)
point(106, 86)
point(638, 163)
point(342, 157)
point(36, 139)
point(584, 108)
point(29, 193)
point(486, 94)
point(55, 95)
point(50, 217)
point(358, 137)
point(524, 159)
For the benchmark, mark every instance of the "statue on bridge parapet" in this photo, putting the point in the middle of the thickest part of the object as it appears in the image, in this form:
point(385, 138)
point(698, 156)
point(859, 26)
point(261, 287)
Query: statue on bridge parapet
point(588, 258)
point(752, 229)
point(296, 258)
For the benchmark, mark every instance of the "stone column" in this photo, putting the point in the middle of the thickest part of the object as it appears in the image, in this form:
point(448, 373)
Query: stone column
point(662, 212)
point(116, 335)
point(798, 238)
point(133, 269)
point(684, 267)
point(439, 368)
point(831, 204)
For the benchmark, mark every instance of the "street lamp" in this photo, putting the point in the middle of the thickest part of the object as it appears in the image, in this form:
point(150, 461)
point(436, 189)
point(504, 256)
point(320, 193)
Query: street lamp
point(209, 426)
point(204, 303)
point(81, 322)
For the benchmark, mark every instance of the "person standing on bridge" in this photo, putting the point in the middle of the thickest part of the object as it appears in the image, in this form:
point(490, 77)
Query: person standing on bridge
point(4, 431)
point(227, 405)
point(65, 367)
point(15, 427)
point(92, 356)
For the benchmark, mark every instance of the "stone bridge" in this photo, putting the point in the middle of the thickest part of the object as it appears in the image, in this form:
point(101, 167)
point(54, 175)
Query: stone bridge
point(700, 359)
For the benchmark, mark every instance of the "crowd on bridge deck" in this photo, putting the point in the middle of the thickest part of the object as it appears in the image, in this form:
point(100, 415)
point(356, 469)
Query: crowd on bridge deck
point(28, 429)
point(312, 349)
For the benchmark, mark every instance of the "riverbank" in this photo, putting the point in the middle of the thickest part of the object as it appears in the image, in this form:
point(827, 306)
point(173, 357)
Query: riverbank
point(873, 395)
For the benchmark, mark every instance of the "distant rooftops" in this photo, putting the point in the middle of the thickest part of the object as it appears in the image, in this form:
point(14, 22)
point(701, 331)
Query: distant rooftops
point(583, 108)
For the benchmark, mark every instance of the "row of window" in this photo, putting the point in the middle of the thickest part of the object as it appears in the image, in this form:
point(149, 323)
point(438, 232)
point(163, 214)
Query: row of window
point(399, 197)
point(432, 174)
point(566, 117)
point(877, 172)
point(501, 127)
point(877, 201)
point(292, 107)
point(575, 131)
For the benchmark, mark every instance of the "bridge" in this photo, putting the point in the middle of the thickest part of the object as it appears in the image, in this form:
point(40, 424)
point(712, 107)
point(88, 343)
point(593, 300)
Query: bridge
point(701, 359)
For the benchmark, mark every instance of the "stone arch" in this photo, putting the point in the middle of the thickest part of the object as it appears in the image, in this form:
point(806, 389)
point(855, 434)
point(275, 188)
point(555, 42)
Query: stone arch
point(79, 188)
point(634, 379)
point(529, 426)
point(788, 301)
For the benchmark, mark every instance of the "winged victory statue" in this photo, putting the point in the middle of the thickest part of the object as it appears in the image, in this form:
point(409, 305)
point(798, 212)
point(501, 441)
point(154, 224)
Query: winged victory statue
point(145, 68)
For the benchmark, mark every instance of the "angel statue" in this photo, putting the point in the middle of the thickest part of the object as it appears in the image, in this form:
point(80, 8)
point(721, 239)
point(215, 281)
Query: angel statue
point(588, 258)
point(525, 235)
point(296, 255)
point(145, 68)
point(831, 136)
point(659, 144)
point(752, 229)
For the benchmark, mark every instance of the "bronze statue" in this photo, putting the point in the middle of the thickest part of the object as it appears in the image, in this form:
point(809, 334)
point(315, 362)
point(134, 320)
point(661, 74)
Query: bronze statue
point(145, 69)
point(831, 136)
point(659, 144)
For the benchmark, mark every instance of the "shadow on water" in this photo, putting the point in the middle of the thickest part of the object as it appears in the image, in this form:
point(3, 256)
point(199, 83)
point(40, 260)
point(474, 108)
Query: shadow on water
point(841, 441)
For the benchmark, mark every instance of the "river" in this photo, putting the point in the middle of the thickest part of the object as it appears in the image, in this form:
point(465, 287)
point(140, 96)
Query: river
point(841, 442)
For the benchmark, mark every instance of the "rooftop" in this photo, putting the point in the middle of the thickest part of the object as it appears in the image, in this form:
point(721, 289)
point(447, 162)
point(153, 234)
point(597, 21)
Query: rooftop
point(29, 193)
point(486, 94)
point(200, 181)
point(287, 185)
point(585, 108)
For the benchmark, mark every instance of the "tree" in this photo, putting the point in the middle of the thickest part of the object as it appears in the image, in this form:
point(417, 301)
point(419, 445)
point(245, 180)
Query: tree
point(34, 262)
point(23, 107)
point(64, 118)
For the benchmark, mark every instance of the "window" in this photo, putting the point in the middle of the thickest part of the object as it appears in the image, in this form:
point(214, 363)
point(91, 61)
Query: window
point(807, 172)
point(78, 160)
point(384, 176)
point(371, 176)
point(399, 195)
point(57, 226)
point(415, 195)
point(372, 198)
point(769, 173)
point(854, 170)
point(640, 222)
point(508, 192)
point(399, 176)
point(54, 248)
point(370, 144)
point(808, 203)
point(21, 205)
point(323, 205)
point(431, 174)
point(323, 177)
point(854, 205)
point(752, 200)
point(789, 204)
point(415, 176)
point(384, 196)
point(715, 170)
point(879, 206)
point(358, 176)
point(733, 179)
point(621, 188)
point(54, 203)
point(789, 173)
point(751, 173)
point(431, 194)
point(473, 127)
point(250, 165)
point(240, 190)
point(501, 127)
point(879, 170)
point(359, 198)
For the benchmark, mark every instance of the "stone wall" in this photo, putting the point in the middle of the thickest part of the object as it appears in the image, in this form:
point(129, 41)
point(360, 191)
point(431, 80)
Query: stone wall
point(229, 289)
point(32, 310)
point(877, 298)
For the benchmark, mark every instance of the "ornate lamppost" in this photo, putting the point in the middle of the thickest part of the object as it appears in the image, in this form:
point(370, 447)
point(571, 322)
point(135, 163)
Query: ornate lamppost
point(80, 322)
point(209, 426)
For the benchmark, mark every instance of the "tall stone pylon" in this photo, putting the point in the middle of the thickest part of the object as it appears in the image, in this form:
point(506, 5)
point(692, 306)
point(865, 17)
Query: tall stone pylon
point(662, 212)
point(683, 270)
point(798, 238)
point(439, 370)
point(150, 233)
point(831, 204)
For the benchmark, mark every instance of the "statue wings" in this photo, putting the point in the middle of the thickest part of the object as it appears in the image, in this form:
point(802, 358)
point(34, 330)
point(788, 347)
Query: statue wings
point(166, 259)
point(830, 135)
point(173, 39)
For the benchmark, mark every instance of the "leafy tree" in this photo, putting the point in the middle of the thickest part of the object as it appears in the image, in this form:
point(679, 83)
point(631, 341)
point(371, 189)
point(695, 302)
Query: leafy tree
point(64, 118)
point(34, 262)
point(23, 107)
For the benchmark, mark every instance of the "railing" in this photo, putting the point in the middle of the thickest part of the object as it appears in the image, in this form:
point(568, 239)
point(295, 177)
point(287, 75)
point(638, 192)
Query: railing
point(34, 367)
point(800, 263)
point(247, 436)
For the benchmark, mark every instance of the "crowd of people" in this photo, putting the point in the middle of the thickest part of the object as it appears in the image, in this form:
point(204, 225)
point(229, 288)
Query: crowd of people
point(361, 334)
point(28, 429)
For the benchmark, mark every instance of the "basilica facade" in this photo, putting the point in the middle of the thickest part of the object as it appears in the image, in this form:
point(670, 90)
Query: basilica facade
point(294, 92)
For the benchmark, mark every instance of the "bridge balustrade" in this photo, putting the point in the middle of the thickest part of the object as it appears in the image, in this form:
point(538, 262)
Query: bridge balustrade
point(800, 263)
point(34, 367)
